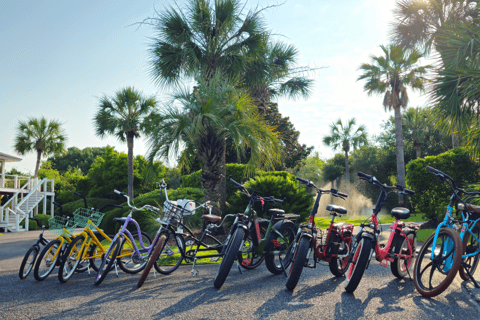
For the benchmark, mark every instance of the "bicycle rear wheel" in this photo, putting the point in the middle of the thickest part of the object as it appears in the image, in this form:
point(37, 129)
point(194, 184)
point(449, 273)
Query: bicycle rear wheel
point(470, 245)
point(279, 256)
point(71, 259)
point(401, 267)
point(359, 264)
point(339, 264)
point(95, 254)
point(249, 258)
point(432, 277)
point(131, 262)
point(191, 244)
point(47, 260)
point(171, 255)
point(28, 262)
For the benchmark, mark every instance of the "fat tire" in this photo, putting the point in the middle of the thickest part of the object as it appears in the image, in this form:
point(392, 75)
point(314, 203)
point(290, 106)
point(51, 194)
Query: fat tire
point(359, 264)
point(104, 270)
point(36, 272)
point(397, 266)
point(298, 262)
point(63, 275)
point(472, 262)
point(286, 229)
point(450, 275)
point(139, 266)
point(151, 261)
point(164, 264)
point(231, 253)
point(336, 264)
point(22, 273)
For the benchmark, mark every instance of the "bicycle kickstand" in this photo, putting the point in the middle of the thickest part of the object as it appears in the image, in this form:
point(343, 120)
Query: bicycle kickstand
point(193, 271)
point(283, 267)
point(239, 269)
point(116, 270)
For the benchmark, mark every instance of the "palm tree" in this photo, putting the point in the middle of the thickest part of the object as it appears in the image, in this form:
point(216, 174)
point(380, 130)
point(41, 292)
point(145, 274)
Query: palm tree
point(123, 116)
point(44, 137)
point(209, 116)
point(416, 127)
point(203, 39)
point(390, 75)
point(345, 136)
point(420, 23)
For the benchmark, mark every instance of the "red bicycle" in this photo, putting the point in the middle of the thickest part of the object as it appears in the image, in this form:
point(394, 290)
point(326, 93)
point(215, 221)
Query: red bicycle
point(331, 245)
point(400, 248)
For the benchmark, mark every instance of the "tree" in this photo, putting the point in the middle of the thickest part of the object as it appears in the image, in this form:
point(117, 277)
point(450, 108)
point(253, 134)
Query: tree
point(341, 137)
point(416, 127)
point(44, 137)
point(419, 24)
point(332, 170)
point(207, 117)
point(65, 183)
point(311, 168)
point(390, 75)
point(123, 116)
point(76, 158)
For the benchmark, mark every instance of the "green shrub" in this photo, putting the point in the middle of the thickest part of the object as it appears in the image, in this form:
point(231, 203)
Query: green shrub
point(431, 195)
point(192, 180)
point(146, 219)
point(43, 219)
point(279, 184)
point(69, 208)
point(32, 224)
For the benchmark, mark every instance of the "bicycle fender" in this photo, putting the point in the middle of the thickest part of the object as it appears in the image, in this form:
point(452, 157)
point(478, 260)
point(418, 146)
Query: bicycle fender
point(368, 235)
point(276, 227)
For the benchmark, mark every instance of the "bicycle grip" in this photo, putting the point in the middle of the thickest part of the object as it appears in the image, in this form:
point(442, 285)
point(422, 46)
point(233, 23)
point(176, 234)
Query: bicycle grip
point(364, 175)
point(57, 204)
point(342, 194)
point(117, 192)
point(409, 192)
point(117, 206)
point(77, 194)
point(302, 180)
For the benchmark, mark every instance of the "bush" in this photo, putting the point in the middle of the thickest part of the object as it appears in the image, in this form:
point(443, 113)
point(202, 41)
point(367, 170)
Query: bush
point(69, 208)
point(43, 219)
point(431, 195)
point(279, 184)
point(146, 219)
point(32, 224)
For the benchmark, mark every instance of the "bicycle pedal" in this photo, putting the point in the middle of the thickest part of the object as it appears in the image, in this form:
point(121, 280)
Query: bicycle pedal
point(276, 243)
point(391, 255)
point(246, 262)
point(311, 266)
point(194, 273)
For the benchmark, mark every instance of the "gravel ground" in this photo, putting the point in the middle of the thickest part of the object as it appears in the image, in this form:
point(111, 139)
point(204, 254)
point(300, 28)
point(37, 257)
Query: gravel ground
point(255, 294)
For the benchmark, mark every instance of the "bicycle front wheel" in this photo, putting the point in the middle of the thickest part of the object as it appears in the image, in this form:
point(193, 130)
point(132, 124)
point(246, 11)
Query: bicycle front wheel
point(171, 255)
point(47, 260)
point(151, 261)
point(28, 262)
point(433, 276)
point(231, 251)
point(280, 257)
point(470, 245)
point(71, 259)
point(108, 261)
point(359, 264)
point(298, 262)
point(129, 261)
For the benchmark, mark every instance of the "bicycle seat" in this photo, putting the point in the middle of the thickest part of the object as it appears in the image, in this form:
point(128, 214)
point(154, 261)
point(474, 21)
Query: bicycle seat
point(212, 218)
point(276, 211)
point(470, 207)
point(337, 209)
point(120, 220)
point(400, 213)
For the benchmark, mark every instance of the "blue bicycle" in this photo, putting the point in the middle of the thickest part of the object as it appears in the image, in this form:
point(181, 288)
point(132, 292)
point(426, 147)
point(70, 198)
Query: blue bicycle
point(441, 257)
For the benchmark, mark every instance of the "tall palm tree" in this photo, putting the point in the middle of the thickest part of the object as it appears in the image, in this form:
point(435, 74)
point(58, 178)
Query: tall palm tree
point(344, 137)
point(213, 113)
point(123, 116)
point(40, 135)
point(420, 23)
point(204, 38)
point(390, 75)
point(416, 127)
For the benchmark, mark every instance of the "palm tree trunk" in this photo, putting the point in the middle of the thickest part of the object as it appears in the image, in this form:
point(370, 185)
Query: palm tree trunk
point(400, 156)
point(37, 166)
point(455, 138)
point(211, 152)
point(347, 172)
point(418, 150)
point(130, 163)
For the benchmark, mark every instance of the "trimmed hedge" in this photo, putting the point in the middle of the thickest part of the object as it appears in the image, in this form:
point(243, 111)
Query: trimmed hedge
point(279, 184)
point(43, 219)
point(431, 195)
point(32, 224)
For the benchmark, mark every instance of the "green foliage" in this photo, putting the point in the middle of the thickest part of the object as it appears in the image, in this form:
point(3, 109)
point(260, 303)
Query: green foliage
point(32, 224)
point(76, 158)
point(109, 172)
point(278, 184)
point(146, 219)
point(173, 177)
point(97, 203)
point(310, 169)
point(432, 196)
point(43, 219)
point(334, 168)
point(192, 180)
point(65, 184)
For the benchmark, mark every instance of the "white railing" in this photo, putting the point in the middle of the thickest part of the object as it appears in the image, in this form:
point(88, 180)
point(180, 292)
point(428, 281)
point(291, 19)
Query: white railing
point(12, 181)
point(12, 202)
point(30, 202)
point(18, 219)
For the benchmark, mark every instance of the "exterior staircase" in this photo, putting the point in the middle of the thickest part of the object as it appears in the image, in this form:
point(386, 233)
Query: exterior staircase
point(25, 202)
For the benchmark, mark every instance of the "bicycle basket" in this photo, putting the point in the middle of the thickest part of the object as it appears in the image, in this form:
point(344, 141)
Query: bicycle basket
point(59, 224)
point(82, 215)
point(171, 210)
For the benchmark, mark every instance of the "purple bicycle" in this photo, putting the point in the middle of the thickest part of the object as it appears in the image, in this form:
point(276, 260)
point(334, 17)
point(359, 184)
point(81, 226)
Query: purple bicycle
point(124, 240)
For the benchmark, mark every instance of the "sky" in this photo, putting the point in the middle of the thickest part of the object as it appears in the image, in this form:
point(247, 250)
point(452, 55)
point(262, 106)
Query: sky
point(58, 58)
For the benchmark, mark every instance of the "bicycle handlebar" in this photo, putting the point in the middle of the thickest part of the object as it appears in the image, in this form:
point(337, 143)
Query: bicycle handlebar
point(373, 180)
point(333, 192)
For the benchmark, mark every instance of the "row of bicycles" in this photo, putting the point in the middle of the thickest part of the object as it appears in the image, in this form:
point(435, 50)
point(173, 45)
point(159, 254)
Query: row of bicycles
point(285, 245)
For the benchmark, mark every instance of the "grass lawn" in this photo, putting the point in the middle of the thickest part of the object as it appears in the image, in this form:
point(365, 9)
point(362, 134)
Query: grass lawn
point(324, 222)
point(422, 235)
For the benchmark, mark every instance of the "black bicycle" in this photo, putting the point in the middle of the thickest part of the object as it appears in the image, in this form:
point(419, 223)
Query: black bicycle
point(28, 261)
point(273, 244)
